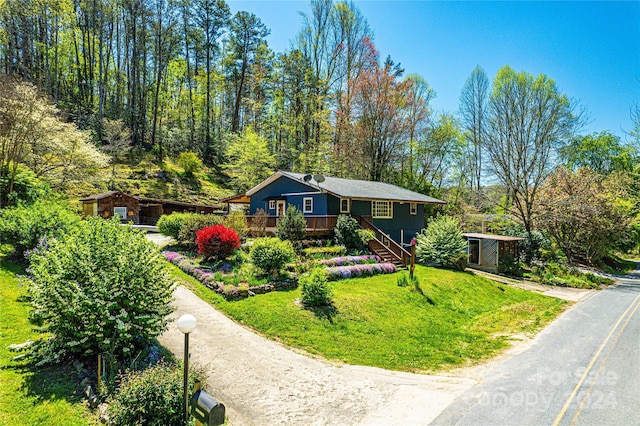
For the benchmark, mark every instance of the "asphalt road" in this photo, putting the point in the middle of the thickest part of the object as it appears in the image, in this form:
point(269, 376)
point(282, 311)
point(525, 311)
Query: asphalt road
point(584, 369)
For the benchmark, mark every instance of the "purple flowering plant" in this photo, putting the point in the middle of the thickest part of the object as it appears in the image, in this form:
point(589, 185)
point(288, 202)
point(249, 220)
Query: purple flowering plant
point(359, 270)
point(350, 260)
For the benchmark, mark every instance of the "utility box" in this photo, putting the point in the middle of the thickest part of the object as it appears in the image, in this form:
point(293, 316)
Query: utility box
point(207, 410)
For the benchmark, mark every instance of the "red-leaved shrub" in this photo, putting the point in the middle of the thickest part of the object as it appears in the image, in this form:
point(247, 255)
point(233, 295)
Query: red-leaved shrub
point(216, 242)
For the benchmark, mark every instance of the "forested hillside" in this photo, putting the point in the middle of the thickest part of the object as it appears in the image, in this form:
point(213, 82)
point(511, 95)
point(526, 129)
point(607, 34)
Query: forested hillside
point(187, 76)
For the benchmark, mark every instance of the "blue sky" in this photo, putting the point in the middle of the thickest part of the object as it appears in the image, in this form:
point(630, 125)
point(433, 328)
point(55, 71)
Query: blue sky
point(591, 49)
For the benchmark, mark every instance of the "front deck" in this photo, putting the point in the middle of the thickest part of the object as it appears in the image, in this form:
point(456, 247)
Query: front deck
point(316, 225)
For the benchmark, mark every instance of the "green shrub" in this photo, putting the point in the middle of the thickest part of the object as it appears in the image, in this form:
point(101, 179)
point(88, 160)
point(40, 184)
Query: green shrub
point(346, 233)
point(27, 188)
point(458, 262)
point(292, 226)
point(149, 397)
point(194, 222)
point(271, 254)
point(510, 266)
point(315, 289)
point(170, 224)
point(366, 235)
point(237, 221)
point(100, 289)
point(23, 226)
point(442, 243)
point(190, 162)
point(183, 226)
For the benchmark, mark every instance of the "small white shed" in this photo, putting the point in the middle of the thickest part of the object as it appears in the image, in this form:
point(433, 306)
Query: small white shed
point(487, 250)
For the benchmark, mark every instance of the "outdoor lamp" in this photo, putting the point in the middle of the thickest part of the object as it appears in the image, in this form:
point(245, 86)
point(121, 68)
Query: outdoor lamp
point(186, 324)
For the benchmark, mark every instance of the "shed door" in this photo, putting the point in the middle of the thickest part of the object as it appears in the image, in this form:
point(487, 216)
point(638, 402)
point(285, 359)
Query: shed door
point(281, 207)
point(474, 251)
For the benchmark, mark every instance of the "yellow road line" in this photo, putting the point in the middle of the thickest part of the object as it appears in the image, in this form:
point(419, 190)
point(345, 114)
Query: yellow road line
point(602, 364)
point(590, 366)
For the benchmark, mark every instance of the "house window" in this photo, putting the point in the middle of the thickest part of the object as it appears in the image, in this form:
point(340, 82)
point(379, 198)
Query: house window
point(120, 211)
point(413, 209)
point(345, 205)
point(382, 209)
point(307, 205)
point(272, 204)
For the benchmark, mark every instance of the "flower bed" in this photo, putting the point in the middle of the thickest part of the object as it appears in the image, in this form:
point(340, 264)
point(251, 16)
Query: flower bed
point(350, 260)
point(228, 291)
point(359, 270)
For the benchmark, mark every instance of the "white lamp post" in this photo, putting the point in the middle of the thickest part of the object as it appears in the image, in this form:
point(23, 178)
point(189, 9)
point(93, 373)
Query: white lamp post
point(186, 324)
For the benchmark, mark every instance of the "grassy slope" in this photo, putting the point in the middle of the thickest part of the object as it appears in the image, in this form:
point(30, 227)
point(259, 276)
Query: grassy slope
point(147, 179)
point(380, 324)
point(29, 395)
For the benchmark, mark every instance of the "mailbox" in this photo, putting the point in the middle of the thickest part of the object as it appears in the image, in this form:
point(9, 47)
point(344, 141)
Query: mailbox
point(207, 410)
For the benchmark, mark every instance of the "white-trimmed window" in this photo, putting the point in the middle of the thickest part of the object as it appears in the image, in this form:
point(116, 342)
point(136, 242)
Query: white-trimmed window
point(307, 205)
point(272, 204)
point(382, 209)
point(120, 211)
point(345, 205)
point(413, 208)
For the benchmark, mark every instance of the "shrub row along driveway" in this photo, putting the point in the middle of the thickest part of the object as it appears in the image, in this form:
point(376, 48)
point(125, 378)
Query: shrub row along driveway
point(262, 382)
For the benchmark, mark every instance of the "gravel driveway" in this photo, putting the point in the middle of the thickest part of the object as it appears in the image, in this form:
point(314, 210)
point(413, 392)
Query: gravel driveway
point(261, 382)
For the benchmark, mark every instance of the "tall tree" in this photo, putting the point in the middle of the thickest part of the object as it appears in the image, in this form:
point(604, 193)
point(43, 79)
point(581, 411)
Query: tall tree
point(379, 101)
point(529, 120)
point(212, 19)
point(473, 116)
point(353, 37)
point(318, 44)
point(248, 33)
point(250, 161)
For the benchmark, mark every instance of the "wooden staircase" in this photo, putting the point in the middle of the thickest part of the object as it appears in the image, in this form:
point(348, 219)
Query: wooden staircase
point(384, 246)
point(386, 254)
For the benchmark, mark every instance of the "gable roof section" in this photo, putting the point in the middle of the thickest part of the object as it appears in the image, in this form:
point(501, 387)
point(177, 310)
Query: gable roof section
point(353, 189)
point(104, 195)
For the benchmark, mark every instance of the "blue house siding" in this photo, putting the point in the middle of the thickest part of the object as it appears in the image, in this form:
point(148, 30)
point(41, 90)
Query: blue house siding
point(333, 205)
point(282, 185)
point(319, 203)
point(401, 227)
point(360, 208)
point(402, 220)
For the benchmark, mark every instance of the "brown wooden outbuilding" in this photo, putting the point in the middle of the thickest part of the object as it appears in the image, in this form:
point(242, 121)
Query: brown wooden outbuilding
point(486, 251)
point(139, 210)
point(109, 204)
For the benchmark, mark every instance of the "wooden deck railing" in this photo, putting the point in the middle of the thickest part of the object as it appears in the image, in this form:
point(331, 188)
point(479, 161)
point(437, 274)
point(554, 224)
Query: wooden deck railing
point(314, 223)
point(385, 239)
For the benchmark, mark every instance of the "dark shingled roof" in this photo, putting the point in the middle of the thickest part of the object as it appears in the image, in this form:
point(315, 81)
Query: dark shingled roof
point(357, 189)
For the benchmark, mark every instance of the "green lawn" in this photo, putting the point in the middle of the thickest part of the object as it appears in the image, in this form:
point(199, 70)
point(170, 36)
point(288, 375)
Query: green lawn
point(30, 395)
point(375, 322)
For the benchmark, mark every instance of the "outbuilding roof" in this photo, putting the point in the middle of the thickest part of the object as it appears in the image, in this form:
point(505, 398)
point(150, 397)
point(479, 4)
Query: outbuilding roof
point(105, 195)
point(491, 237)
point(353, 188)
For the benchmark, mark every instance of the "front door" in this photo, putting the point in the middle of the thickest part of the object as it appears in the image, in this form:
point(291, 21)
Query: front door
point(281, 207)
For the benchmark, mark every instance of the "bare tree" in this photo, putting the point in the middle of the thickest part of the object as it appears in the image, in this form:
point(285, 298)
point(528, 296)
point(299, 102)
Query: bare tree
point(473, 116)
point(529, 120)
